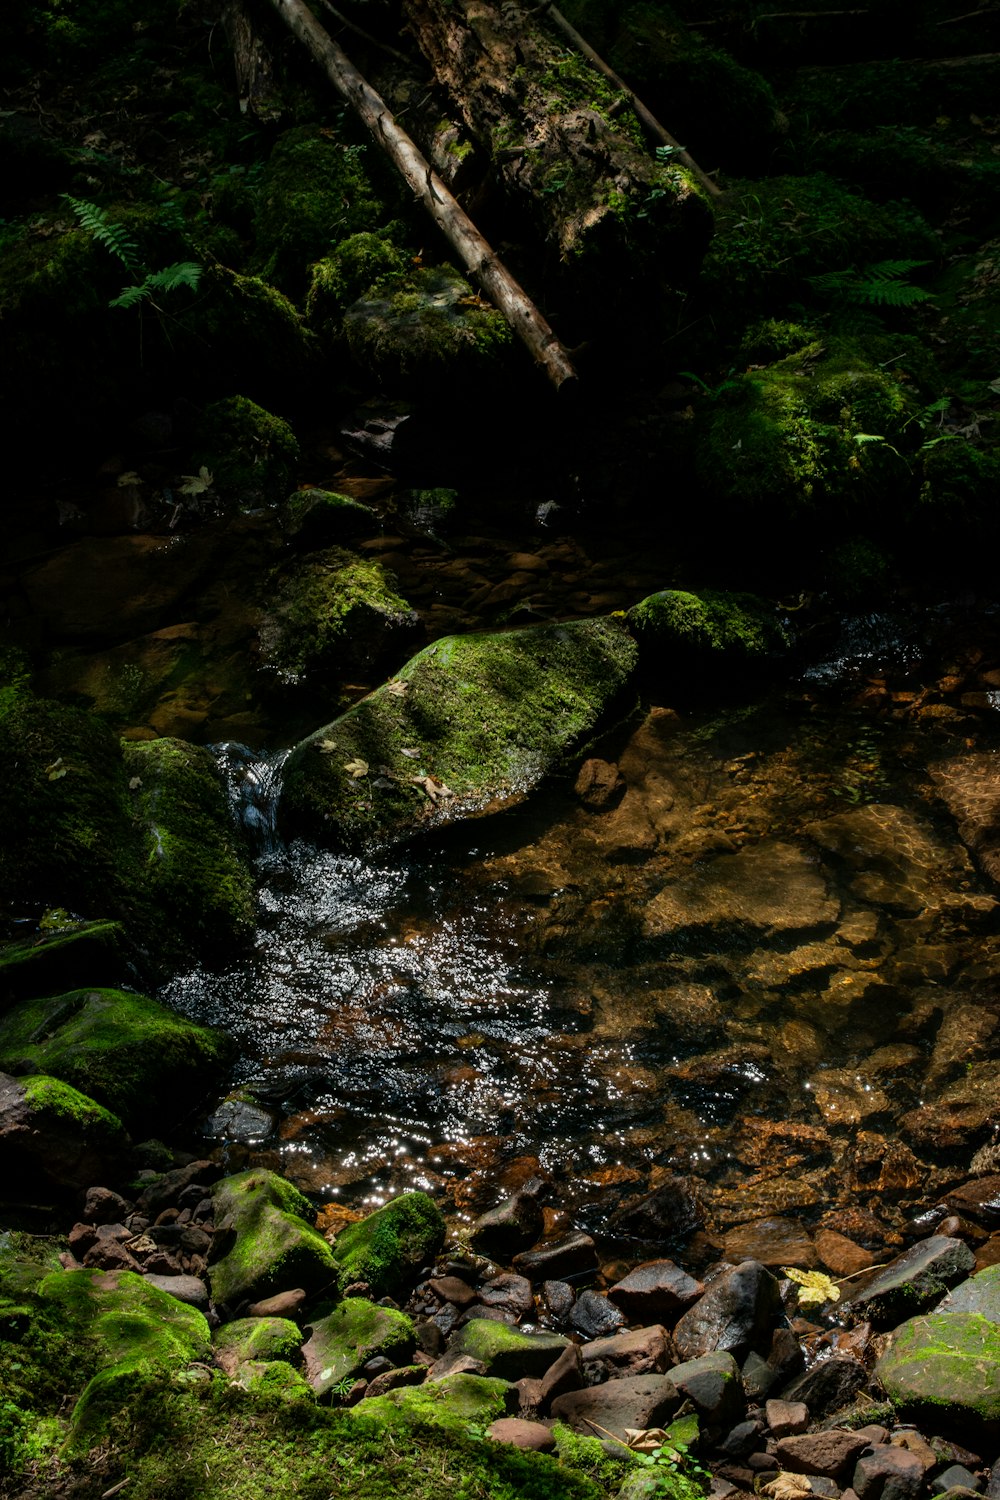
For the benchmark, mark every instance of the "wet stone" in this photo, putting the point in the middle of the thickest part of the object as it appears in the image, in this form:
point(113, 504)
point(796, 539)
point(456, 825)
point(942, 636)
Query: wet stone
point(513, 1225)
point(559, 1298)
point(712, 1385)
point(670, 1213)
point(635, 1351)
point(914, 1281)
point(736, 1313)
point(508, 1294)
point(571, 1255)
point(828, 1386)
point(773, 1242)
point(980, 1199)
point(775, 888)
point(656, 1291)
point(888, 1473)
point(786, 1418)
point(636, 1401)
point(594, 1316)
point(831, 1453)
point(531, 1436)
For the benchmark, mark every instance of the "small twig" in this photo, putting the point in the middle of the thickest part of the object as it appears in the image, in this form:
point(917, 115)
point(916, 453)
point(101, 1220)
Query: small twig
point(970, 15)
point(115, 1488)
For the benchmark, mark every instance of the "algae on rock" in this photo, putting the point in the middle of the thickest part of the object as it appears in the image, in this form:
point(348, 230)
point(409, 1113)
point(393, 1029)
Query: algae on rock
point(471, 724)
point(388, 1247)
point(343, 1342)
point(273, 1244)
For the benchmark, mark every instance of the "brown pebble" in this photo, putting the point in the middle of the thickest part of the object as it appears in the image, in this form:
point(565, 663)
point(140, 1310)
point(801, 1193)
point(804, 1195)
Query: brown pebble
point(532, 1436)
point(281, 1305)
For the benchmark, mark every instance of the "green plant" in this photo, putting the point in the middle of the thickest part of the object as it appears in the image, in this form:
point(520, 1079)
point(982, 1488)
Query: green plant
point(882, 284)
point(117, 241)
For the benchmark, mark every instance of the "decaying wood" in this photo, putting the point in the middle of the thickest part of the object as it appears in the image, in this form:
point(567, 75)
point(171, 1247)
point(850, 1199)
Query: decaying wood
point(252, 63)
point(474, 251)
point(645, 115)
point(564, 144)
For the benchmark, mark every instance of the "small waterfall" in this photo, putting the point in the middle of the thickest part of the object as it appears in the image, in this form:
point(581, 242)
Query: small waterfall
point(252, 783)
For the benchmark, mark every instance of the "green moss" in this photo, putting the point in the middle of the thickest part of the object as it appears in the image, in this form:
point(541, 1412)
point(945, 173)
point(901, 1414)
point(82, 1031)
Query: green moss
point(251, 454)
point(51, 1096)
point(388, 1248)
point(260, 1339)
point(774, 338)
point(488, 714)
point(959, 490)
point(335, 612)
point(506, 1351)
point(314, 192)
point(274, 1247)
point(358, 267)
point(945, 1368)
point(259, 344)
point(194, 871)
point(315, 518)
point(49, 959)
point(132, 1054)
point(674, 625)
point(452, 1403)
point(341, 1343)
point(423, 326)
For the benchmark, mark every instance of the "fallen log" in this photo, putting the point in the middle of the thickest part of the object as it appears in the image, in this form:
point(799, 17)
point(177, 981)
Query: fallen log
point(564, 143)
point(474, 251)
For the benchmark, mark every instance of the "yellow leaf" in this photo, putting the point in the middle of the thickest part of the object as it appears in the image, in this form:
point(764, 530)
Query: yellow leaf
point(814, 1287)
point(326, 747)
point(356, 767)
point(397, 688)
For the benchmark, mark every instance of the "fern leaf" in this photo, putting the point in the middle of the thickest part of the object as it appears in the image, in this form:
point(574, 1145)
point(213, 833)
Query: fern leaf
point(892, 270)
point(114, 237)
point(890, 294)
point(181, 273)
point(131, 296)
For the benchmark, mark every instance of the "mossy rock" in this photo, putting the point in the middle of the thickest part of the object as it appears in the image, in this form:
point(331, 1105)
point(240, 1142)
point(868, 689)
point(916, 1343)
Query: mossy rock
point(358, 267)
point(55, 955)
point(53, 1133)
point(387, 1249)
point(455, 1403)
point(275, 1380)
point(822, 427)
point(336, 613)
point(132, 1330)
point(342, 1343)
point(194, 870)
point(274, 1246)
point(425, 326)
point(508, 1353)
point(256, 1341)
point(678, 628)
point(317, 518)
point(259, 342)
point(314, 192)
point(251, 454)
point(488, 715)
point(943, 1371)
point(132, 1054)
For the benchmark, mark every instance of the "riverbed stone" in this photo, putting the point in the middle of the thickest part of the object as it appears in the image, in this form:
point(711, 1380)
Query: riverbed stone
point(980, 1294)
point(888, 1473)
point(786, 1418)
point(944, 1370)
point(274, 1246)
point(678, 629)
point(635, 1401)
point(657, 1291)
point(633, 1351)
point(453, 1402)
point(832, 1452)
point(53, 1133)
point(712, 1384)
point(980, 1197)
point(967, 784)
point(534, 1437)
point(503, 1351)
point(386, 1250)
point(827, 1386)
point(773, 889)
point(507, 1293)
point(572, 1254)
point(513, 1225)
point(737, 1313)
point(255, 1339)
point(488, 715)
point(342, 1343)
point(593, 1315)
point(914, 1281)
point(141, 1060)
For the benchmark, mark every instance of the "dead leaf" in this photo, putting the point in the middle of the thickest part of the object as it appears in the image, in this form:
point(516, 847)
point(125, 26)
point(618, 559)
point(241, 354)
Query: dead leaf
point(56, 771)
point(326, 747)
point(397, 688)
point(787, 1487)
point(645, 1439)
point(815, 1288)
point(436, 790)
point(195, 484)
point(356, 768)
point(411, 754)
point(129, 478)
point(135, 783)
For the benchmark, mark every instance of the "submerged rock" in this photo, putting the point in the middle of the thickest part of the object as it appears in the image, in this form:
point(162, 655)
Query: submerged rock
point(470, 725)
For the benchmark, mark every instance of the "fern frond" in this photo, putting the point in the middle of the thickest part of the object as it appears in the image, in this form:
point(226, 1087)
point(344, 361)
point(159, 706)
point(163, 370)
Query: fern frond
point(888, 294)
point(114, 237)
point(879, 285)
point(892, 270)
point(181, 273)
point(131, 296)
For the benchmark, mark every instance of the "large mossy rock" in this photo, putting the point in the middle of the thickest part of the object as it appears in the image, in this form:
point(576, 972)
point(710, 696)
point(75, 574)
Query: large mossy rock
point(256, 1341)
point(675, 628)
point(388, 1248)
point(252, 454)
point(135, 1056)
point(470, 725)
point(455, 1403)
point(943, 1371)
point(335, 613)
point(273, 1244)
point(194, 870)
point(346, 1339)
point(63, 951)
point(505, 1352)
point(129, 1329)
point(51, 1132)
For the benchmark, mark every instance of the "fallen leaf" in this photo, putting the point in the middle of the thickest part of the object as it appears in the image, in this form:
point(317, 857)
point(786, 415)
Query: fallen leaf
point(195, 484)
point(436, 790)
point(397, 688)
point(787, 1487)
point(815, 1287)
point(356, 767)
point(326, 747)
point(129, 478)
point(57, 775)
point(411, 754)
point(135, 783)
point(645, 1439)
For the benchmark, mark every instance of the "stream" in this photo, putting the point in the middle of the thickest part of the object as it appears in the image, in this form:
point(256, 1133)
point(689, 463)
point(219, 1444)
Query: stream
point(750, 963)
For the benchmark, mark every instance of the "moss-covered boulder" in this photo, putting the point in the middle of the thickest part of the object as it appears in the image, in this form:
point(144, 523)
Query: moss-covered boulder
point(52, 1132)
point(63, 949)
point(455, 1403)
point(346, 1339)
point(425, 327)
point(260, 344)
point(676, 629)
point(358, 267)
point(336, 613)
point(256, 1341)
point(131, 1330)
point(506, 1352)
point(194, 870)
point(470, 725)
point(250, 453)
point(822, 426)
point(943, 1370)
point(133, 1055)
point(272, 1244)
point(388, 1248)
point(314, 192)
point(317, 518)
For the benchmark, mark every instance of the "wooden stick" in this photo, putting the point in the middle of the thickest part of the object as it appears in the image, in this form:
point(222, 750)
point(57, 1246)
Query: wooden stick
point(474, 251)
point(648, 119)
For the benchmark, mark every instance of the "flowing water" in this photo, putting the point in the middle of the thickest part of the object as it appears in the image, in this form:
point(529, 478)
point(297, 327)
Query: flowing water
point(766, 963)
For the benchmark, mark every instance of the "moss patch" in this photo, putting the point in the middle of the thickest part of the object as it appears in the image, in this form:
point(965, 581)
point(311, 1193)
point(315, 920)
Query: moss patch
point(677, 627)
point(342, 1343)
point(945, 1369)
point(507, 1352)
point(315, 518)
point(274, 1247)
point(52, 957)
point(487, 715)
point(256, 1339)
point(135, 1056)
point(251, 454)
point(388, 1248)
